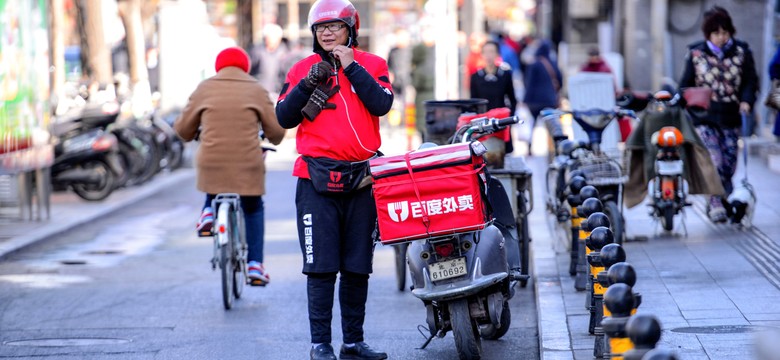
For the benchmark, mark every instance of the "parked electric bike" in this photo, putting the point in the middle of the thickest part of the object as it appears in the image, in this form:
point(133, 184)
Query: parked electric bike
point(604, 171)
point(438, 198)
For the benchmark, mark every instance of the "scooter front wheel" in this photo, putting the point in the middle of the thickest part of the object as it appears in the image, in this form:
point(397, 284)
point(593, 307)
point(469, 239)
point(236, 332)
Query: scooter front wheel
point(465, 331)
point(490, 332)
point(400, 265)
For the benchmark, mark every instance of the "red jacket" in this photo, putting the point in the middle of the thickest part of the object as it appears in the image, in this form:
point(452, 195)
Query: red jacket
point(351, 130)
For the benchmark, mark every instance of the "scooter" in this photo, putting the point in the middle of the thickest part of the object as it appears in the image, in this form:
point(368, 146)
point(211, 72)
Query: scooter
point(668, 189)
point(458, 254)
point(85, 155)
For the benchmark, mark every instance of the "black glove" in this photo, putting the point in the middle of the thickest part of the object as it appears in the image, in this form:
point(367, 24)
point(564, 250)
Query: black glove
point(319, 100)
point(318, 74)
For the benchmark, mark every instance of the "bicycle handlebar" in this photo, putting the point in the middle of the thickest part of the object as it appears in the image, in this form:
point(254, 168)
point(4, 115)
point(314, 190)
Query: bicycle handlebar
point(618, 112)
point(484, 125)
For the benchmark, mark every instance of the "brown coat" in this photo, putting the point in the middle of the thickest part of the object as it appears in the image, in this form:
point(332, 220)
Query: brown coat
point(229, 109)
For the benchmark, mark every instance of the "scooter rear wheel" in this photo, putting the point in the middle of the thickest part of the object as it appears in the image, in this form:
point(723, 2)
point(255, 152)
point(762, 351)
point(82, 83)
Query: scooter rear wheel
point(465, 331)
point(668, 218)
point(100, 190)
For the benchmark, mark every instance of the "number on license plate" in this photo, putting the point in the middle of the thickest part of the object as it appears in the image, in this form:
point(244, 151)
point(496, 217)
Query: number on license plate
point(448, 269)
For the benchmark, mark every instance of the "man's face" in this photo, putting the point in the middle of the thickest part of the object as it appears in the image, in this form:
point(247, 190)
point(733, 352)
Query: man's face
point(331, 34)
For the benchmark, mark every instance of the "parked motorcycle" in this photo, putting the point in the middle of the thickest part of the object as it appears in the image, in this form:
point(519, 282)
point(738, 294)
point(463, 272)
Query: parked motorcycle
point(438, 197)
point(85, 155)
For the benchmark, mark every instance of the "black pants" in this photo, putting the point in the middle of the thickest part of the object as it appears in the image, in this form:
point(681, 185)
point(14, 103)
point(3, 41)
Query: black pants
point(334, 232)
point(353, 293)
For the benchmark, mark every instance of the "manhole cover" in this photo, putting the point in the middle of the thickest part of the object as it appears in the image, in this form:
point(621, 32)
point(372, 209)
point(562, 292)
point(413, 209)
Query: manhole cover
point(103, 252)
point(73, 262)
point(67, 342)
point(717, 329)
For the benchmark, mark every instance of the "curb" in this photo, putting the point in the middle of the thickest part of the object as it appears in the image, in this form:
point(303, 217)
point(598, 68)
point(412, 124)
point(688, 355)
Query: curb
point(50, 228)
point(554, 338)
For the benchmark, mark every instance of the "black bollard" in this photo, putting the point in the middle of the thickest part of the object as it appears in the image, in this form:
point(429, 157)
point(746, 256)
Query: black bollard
point(575, 185)
point(619, 300)
point(609, 255)
point(594, 220)
point(599, 238)
point(644, 331)
point(660, 354)
point(590, 205)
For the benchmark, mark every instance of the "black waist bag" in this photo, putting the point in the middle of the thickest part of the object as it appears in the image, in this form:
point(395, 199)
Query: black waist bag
point(331, 176)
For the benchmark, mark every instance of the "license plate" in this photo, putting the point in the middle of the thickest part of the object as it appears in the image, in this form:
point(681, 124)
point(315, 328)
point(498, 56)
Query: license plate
point(670, 167)
point(448, 269)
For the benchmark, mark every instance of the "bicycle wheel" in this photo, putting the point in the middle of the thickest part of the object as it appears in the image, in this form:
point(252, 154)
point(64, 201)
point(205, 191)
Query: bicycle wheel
point(400, 265)
point(227, 260)
point(239, 254)
point(524, 237)
point(615, 216)
point(226, 267)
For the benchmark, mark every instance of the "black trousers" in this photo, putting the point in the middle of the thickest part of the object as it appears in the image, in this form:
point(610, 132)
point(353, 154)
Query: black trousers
point(334, 232)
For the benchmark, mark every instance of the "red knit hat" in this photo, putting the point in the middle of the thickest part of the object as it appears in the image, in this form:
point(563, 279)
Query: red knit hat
point(232, 56)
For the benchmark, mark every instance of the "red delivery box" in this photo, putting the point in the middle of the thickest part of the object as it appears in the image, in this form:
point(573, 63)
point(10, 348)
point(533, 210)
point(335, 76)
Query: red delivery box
point(428, 193)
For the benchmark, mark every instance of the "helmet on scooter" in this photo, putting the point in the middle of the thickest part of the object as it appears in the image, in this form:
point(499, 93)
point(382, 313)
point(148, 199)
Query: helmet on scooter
point(323, 11)
point(669, 136)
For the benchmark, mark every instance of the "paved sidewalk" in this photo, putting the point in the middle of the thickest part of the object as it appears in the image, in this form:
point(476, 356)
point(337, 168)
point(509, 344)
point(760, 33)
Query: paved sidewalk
point(708, 290)
point(715, 291)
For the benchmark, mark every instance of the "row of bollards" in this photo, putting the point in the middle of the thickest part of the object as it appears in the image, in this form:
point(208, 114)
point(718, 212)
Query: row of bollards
point(600, 268)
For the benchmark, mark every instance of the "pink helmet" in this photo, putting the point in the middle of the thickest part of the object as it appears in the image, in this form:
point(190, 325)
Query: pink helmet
point(330, 10)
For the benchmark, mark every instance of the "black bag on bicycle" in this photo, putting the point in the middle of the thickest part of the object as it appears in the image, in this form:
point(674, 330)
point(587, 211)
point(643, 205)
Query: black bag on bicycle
point(331, 176)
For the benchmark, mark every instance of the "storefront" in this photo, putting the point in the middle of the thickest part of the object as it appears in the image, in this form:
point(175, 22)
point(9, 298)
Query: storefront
point(24, 95)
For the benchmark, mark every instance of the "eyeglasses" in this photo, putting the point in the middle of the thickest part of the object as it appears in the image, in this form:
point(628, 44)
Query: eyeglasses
point(332, 27)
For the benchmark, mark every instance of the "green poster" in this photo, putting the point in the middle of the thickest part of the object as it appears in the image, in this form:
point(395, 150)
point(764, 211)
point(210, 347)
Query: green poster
point(24, 78)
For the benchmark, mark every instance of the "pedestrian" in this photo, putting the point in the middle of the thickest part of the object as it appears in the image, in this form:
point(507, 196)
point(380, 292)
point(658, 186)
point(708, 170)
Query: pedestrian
point(595, 62)
point(267, 59)
point(423, 77)
point(494, 83)
point(399, 62)
point(335, 97)
point(542, 81)
point(226, 112)
point(474, 60)
point(774, 75)
point(725, 65)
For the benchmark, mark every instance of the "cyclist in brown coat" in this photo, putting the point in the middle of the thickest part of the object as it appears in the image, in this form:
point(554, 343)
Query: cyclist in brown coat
point(227, 111)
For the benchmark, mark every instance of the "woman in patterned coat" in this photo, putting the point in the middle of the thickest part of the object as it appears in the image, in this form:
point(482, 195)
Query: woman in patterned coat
point(725, 65)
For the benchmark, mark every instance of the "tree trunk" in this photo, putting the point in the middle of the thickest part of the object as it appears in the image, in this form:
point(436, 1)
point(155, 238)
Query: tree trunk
point(244, 15)
point(57, 46)
point(95, 55)
point(130, 12)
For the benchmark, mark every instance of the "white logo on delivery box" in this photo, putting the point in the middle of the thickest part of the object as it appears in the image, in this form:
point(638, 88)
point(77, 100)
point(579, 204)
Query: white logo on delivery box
point(399, 211)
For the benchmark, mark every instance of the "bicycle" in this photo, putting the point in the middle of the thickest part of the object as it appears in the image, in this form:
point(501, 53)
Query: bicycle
point(601, 170)
point(230, 247)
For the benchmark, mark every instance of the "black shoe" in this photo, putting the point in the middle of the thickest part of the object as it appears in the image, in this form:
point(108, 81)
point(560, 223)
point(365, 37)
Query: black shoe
point(322, 352)
point(361, 350)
